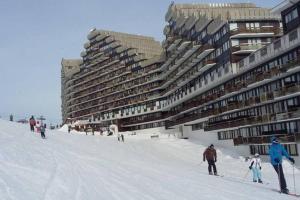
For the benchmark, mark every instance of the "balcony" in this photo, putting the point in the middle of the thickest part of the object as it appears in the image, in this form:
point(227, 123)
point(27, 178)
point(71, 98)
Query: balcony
point(234, 105)
point(258, 32)
point(207, 64)
point(245, 48)
point(266, 96)
point(230, 123)
point(286, 90)
point(265, 139)
point(182, 120)
point(204, 51)
point(173, 43)
point(288, 115)
point(288, 66)
point(132, 122)
point(229, 88)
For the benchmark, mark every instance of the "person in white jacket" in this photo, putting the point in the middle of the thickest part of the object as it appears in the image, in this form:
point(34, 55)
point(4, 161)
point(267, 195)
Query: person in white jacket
point(255, 166)
point(38, 127)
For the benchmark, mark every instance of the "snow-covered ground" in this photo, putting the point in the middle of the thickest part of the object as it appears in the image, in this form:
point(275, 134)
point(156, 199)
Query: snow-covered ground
point(75, 166)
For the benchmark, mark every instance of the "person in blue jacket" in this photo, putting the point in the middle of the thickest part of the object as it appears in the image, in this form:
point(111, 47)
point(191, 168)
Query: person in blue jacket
point(276, 152)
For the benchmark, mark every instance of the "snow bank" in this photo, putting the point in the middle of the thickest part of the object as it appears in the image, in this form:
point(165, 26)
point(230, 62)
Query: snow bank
point(64, 128)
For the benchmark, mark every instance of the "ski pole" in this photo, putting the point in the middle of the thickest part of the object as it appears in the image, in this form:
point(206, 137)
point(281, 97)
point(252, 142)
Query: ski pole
point(279, 178)
point(294, 178)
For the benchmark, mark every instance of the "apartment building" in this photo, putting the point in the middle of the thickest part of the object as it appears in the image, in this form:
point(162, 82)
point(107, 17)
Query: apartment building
point(117, 77)
point(258, 96)
point(204, 45)
point(204, 42)
point(226, 73)
point(69, 68)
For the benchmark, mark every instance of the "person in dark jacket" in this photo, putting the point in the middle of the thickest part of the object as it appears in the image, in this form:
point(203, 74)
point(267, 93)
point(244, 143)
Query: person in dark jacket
point(43, 130)
point(210, 155)
point(276, 152)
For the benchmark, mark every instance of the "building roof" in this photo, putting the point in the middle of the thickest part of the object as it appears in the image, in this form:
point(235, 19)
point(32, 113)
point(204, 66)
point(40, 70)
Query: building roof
point(70, 66)
point(225, 11)
point(284, 5)
point(145, 45)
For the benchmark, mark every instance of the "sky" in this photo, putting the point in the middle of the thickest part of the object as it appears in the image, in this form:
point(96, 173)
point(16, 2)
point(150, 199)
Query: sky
point(35, 35)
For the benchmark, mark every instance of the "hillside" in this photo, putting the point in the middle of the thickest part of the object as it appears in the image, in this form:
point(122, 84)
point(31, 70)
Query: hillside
point(72, 166)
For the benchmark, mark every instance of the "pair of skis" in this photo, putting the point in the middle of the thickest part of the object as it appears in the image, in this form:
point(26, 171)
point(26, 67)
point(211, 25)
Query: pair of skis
point(264, 183)
point(291, 194)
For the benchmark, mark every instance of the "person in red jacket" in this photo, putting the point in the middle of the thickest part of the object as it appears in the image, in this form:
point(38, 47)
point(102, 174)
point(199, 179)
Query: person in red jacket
point(32, 123)
point(210, 155)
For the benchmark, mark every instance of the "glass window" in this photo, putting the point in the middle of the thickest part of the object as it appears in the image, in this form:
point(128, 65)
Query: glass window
point(277, 44)
point(252, 58)
point(263, 51)
point(233, 26)
point(293, 35)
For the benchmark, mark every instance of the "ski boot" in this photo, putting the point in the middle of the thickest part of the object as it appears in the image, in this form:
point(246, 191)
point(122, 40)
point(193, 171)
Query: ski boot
point(254, 181)
point(210, 173)
point(216, 174)
point(285, 191)
point(260, 181)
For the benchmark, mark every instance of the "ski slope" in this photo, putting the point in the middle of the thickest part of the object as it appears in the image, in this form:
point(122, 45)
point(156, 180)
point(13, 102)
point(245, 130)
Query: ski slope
point(79, 167)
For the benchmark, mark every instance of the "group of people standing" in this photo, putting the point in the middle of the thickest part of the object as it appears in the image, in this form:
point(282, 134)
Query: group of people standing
point(276, 152)
point(39, 126)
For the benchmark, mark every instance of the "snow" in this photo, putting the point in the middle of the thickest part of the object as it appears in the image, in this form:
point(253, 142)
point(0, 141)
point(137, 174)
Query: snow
point(75, 166)
point(64, 128)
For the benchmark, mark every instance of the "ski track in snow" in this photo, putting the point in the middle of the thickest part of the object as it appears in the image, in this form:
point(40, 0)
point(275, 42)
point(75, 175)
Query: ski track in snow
point(52, 177)
point(79, 167)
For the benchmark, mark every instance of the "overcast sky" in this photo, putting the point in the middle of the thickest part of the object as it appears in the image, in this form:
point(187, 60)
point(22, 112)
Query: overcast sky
point(35, 35)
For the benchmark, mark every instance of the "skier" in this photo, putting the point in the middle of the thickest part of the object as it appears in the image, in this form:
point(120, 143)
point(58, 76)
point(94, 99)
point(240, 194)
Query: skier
point(210, 155)
point(69, 128)
point(38, 127)
point(122, 137)
point(32, 123)
point(255, 166)
point(43, 130)
point(276, 152)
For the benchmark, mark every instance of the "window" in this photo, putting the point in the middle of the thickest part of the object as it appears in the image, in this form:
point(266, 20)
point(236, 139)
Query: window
point(252, 58)
point(226, 69)
point(263, 51)
point(234, 42)
point(254, 41)
point(277, 44)
point(233, 26)
point(252, 25)
point(241, 64)
point(293, 35)
point(291, 16)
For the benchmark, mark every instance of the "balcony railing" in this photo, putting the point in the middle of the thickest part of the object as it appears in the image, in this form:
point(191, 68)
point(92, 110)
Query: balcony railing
point(234, 122)
point(265, 139)
point(145, 120)
point(287, 90)
point(274, 30)
point(245, 120)
point(246, 48)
